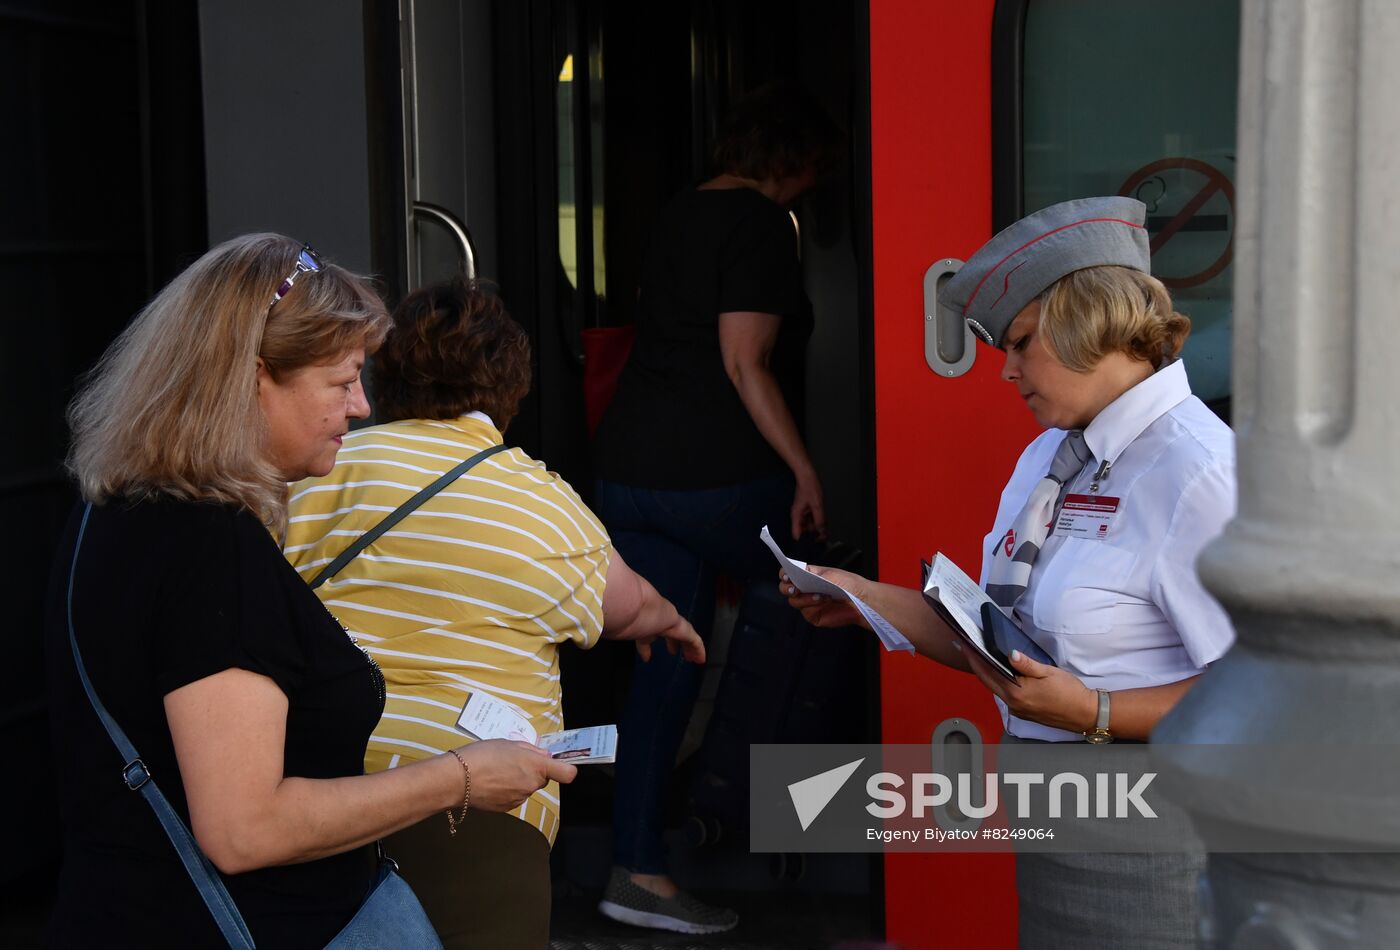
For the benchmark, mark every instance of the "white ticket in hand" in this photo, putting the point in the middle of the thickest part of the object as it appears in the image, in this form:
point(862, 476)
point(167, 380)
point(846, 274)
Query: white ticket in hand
point(809, 583)
point(486, 717)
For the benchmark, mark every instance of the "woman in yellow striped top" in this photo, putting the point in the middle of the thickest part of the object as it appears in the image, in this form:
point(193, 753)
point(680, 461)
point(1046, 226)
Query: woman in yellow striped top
point(472, 592)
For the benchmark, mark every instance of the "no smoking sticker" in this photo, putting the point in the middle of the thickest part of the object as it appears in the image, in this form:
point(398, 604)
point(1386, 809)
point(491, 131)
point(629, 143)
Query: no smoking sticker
point(1191, 217)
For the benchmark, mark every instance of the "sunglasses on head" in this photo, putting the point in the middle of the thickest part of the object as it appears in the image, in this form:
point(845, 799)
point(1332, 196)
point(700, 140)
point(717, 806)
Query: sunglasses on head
point(307, 263)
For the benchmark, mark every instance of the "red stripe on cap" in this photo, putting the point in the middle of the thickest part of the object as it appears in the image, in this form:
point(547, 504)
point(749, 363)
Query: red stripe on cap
point(1006, 283)
point(1073, 224)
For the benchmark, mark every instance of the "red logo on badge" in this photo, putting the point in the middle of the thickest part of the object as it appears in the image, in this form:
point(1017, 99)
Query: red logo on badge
point(1010, 544)
point(1103, 530)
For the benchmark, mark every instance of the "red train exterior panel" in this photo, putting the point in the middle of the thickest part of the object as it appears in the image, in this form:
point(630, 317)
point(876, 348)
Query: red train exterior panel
point(943, 447)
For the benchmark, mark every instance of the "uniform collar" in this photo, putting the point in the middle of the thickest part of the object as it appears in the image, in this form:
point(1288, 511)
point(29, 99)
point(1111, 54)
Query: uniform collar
point(1124, 419)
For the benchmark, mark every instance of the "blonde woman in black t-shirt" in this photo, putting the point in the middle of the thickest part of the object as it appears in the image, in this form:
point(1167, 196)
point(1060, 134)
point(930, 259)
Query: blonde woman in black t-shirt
point(249, 704)
point(702, 444)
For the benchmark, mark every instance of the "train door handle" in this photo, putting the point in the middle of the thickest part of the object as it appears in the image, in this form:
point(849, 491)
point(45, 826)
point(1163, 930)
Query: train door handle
point(949, 346)
point(956, 749)
point(466, 248)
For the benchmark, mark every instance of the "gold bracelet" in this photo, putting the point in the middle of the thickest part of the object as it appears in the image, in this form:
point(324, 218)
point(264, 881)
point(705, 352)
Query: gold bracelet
point(452, 822)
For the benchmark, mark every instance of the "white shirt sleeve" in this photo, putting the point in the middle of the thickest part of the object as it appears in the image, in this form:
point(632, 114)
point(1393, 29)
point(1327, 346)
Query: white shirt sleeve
point(1205, 505)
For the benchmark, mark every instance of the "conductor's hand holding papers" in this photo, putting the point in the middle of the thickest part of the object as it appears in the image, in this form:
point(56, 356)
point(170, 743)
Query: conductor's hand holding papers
point(808, 582)
point(822, 610)
point(1040, 691)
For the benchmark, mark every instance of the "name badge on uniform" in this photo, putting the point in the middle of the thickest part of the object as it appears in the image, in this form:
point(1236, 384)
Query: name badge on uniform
point(1086, 516)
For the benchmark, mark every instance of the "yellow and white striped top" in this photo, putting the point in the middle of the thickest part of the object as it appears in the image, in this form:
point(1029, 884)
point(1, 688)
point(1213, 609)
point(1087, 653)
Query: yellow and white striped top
point(472, 591)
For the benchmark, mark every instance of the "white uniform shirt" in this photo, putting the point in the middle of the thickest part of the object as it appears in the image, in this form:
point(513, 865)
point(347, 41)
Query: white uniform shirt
point(1129, 610)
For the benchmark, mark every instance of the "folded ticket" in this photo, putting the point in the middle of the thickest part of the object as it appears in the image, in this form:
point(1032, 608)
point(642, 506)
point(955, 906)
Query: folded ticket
point(486, 717)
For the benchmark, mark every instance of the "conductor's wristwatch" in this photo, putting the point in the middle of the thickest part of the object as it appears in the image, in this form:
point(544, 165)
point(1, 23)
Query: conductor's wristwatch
point(1100, 735)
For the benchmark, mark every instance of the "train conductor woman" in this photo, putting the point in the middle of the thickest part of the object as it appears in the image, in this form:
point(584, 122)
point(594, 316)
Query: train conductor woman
point(1092, 345)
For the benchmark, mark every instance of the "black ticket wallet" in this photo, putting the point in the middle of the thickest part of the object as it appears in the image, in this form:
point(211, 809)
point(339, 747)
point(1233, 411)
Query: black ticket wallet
point(1000, 636)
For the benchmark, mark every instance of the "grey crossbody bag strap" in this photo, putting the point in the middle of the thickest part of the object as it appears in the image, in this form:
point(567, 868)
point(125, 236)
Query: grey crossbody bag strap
point(400, 513)
point(138, 778)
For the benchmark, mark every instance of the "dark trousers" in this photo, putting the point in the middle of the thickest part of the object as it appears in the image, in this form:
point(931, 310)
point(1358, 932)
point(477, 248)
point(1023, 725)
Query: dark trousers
point(679, 541)
point(486, 886)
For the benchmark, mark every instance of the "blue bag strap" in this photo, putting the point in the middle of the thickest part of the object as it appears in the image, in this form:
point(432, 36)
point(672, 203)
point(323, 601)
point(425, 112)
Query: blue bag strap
point(400, 513)
point(138, 779)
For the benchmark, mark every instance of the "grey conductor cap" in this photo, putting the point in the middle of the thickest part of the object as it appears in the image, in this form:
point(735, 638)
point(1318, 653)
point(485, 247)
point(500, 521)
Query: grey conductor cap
point(1016, 266)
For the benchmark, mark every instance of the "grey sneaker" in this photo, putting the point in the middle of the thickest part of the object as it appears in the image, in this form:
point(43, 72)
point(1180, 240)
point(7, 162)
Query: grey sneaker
point(633, 904)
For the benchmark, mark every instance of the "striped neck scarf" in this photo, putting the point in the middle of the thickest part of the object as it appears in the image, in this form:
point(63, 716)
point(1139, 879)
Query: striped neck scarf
point(1016, 551)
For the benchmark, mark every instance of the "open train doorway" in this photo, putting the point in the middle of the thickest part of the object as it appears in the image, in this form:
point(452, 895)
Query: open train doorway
point(531, 144)
point(551, 135)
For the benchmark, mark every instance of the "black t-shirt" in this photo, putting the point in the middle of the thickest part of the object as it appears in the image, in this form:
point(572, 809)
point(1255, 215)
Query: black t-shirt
point(676, 421)
point(168, 592)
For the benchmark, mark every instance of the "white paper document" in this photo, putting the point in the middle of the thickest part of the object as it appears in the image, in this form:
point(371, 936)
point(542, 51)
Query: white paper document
point(484, 716)
point(809, 583)
point(961, 600)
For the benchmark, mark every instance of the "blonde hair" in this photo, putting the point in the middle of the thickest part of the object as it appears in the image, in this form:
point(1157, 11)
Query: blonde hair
point(1090, 313)
point(172, 407)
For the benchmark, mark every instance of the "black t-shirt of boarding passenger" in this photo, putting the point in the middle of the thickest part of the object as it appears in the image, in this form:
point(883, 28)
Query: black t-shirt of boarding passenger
point(677, 422)
point(168, 592)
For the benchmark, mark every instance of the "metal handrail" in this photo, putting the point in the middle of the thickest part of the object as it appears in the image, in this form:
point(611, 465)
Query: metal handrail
point(466, 249)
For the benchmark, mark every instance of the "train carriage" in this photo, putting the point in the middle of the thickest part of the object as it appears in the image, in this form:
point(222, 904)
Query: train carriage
point(530, 143)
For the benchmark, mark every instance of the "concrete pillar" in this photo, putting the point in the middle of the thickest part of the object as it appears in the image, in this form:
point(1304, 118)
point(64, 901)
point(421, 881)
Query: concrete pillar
point(1310, 567)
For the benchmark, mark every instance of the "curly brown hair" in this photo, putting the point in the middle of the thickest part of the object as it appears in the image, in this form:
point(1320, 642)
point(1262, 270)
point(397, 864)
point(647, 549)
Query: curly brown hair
point(453, 349)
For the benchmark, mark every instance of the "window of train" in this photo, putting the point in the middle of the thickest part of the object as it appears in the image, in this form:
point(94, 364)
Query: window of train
point(1137, 97)
point(579, 127)
point(568, 210)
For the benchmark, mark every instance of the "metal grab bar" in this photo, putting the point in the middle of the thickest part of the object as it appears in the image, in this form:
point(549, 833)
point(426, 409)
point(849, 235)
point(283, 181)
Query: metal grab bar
point(466, 249)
